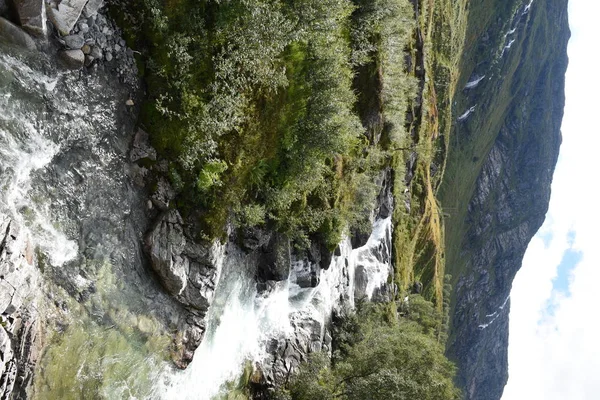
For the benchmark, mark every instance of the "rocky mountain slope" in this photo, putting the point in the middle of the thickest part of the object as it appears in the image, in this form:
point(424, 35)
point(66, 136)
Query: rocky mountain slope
point(496, 191)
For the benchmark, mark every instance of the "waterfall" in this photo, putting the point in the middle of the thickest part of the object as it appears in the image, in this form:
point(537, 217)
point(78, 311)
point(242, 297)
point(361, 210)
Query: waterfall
point(64, 141)
point(242, 322)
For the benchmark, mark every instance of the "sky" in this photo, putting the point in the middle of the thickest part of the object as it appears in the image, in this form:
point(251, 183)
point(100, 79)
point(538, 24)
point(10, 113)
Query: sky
point(554, 334)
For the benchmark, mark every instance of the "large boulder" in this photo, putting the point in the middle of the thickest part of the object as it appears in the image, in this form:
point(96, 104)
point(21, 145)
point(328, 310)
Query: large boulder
point(12, 34)
point(32, 15)
point(64, 14)
point(72, 59)
point(165, 244)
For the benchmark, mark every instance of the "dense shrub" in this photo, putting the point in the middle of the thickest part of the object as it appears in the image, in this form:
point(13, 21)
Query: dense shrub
point(379, 358)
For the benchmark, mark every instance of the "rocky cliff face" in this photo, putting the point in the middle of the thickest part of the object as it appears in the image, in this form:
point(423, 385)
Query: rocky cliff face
point(518, 109)
point(20, 338)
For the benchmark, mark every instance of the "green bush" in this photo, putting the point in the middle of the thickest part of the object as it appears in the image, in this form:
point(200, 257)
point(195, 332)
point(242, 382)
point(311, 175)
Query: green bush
point(378, 360)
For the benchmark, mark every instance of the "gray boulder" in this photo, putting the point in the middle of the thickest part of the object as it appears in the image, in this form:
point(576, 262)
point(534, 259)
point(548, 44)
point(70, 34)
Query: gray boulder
point(74, 41)
point(12, 34)
point(64, 14)
point(73, 59)
point(165, 244)
point(32, 15)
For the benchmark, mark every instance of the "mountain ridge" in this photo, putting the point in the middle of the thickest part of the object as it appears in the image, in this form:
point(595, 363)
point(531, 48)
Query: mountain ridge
point(512, 141)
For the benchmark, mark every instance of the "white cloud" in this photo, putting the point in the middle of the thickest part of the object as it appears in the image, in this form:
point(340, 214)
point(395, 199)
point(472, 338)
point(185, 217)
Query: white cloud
point(557, 355)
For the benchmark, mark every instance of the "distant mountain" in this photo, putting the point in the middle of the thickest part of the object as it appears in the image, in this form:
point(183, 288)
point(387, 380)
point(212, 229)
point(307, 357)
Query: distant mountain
point(504, 147)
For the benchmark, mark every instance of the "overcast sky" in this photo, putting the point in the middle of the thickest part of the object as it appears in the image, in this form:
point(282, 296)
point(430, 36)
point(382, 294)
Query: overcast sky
point(554, 342)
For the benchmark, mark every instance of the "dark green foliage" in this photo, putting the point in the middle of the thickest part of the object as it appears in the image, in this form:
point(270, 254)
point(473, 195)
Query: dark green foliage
point(379, 359)
point(253, 104)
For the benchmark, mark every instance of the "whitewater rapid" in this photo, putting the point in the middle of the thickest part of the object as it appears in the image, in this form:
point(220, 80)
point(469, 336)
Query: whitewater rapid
point(242, 321)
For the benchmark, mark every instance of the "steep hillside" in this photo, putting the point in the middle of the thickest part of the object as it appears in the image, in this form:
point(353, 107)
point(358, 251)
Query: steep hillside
point(495, 193)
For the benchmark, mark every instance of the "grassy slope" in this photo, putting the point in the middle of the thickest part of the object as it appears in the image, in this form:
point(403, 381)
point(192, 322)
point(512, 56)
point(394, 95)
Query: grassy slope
point(472, 140)
point(419, 234)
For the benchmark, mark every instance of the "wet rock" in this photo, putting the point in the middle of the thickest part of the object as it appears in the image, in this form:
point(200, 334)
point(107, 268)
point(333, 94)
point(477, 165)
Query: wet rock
point(203, 275)
point(73, 59)
point(164, 245)
point(12, 34)
point(86, 49)
point(65, 13)
point(108, 56)
point(188, 339)
point(74, 41)
point(88, 60)
point(32, 15)
point(19, 344)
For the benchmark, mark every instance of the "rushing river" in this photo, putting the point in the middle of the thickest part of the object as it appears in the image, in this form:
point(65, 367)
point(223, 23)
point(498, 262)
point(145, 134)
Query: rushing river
point(64, 174)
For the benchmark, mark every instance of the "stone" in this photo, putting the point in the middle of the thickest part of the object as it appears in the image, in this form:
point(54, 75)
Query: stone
point(129, 103)
point(101, 40)
point(65, 14)
point(87, 49)
point(12, 34)
point(74, 41)
point(73, 59)
point(96, 52)
point(117, 48)
point(88, 60)
point(32, 16)
point(84, 28)
point(164, 245)
point(92, 7)
point(108, 56)
point(188, 339)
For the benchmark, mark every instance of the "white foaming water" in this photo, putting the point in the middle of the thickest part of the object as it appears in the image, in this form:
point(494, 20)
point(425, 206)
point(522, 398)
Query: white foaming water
point(369, 256)
point(24, 148)
point(241, 321)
